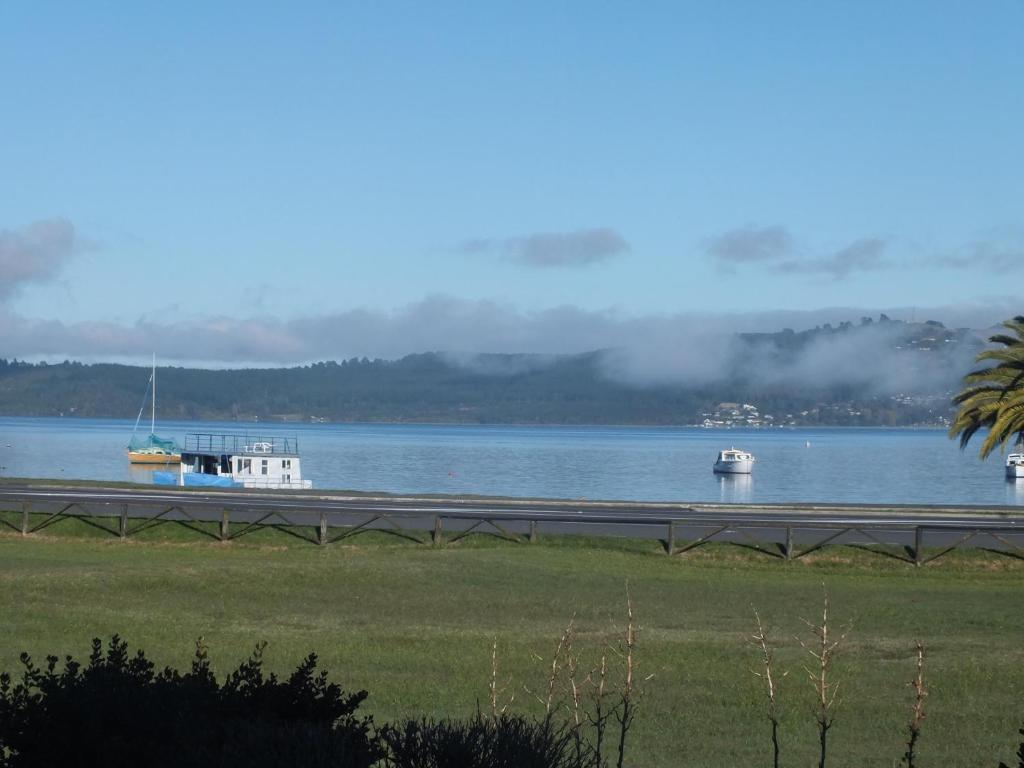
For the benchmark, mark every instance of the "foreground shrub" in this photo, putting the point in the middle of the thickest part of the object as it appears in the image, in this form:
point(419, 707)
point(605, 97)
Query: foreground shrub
point(1020, 754)
point(507, 741)
point(117, 711)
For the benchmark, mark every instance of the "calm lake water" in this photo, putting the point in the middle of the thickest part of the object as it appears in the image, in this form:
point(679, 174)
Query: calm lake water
point(835, 465)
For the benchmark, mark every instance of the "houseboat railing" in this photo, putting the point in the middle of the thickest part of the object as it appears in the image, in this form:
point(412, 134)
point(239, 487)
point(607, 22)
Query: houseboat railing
point(239, 443)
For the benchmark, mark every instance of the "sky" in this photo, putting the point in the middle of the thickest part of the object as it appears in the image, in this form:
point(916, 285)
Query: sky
point(231, 183)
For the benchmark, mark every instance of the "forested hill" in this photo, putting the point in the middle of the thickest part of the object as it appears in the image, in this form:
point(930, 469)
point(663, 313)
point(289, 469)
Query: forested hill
point(760, 379)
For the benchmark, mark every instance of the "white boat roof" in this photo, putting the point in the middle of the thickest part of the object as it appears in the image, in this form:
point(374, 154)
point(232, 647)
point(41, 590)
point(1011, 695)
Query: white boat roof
point(735, 453)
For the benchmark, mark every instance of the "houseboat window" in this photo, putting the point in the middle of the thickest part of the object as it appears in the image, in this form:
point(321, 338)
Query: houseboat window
point(264, 468)
point(286, 463)
point(239, 470)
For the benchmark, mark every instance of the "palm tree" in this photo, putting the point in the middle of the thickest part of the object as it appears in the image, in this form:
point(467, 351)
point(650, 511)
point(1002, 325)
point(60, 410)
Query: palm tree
point(993, 397)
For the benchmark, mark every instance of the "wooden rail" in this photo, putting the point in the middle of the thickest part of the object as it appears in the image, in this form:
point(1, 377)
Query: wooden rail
point(788, 532)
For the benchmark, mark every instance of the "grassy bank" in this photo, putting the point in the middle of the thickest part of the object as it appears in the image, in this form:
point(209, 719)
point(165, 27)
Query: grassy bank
point(414, 625)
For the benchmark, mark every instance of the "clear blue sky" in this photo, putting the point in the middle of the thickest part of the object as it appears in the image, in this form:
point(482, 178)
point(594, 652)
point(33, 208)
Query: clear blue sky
point(303, 159)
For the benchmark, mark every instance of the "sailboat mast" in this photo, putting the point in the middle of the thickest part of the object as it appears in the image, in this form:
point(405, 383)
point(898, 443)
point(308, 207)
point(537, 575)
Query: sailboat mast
point(152, 417)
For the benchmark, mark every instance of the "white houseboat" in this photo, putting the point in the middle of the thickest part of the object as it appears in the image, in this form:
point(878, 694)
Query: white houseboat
point(1015, 466)
point(232, 460)
point(734, 462)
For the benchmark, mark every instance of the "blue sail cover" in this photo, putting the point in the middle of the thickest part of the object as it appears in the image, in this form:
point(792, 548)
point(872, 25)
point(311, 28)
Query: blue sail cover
point(153, 444)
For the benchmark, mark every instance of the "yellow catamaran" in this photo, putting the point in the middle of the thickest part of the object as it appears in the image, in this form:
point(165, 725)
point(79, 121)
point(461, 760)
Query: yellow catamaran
point(152, 449)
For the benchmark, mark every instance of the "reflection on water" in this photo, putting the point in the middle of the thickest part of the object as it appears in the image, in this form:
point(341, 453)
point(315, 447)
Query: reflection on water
point(143, 473)
point(735, 489)
point(1014, 491)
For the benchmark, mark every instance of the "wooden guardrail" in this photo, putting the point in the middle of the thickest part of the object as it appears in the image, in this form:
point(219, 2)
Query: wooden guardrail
point(911, 533)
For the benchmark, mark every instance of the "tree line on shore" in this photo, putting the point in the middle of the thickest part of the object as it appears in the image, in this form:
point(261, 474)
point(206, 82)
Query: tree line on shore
point(872, 374)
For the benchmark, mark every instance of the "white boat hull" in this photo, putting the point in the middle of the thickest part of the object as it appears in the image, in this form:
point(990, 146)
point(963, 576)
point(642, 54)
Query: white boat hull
point(274, 485)
point(1013, 471)
point(740, 467)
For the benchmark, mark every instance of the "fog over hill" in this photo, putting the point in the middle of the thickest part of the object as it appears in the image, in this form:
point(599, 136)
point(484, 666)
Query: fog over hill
point(871, 371)
point(676, 341)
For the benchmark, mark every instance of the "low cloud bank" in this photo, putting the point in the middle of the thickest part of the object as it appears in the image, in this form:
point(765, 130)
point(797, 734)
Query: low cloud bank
point(683, 348)
point(876, 358)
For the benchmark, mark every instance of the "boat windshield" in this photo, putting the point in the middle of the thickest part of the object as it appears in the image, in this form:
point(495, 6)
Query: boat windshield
point(734, 455)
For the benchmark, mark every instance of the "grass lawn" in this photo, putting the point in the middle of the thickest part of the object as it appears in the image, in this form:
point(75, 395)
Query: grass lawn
point(414, 626)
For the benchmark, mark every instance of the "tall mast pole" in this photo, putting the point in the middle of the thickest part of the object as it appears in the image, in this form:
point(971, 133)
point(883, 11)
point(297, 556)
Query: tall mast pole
point(152, 418)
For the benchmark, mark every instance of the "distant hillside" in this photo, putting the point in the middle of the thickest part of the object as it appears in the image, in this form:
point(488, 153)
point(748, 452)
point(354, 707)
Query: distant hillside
point(870, 373)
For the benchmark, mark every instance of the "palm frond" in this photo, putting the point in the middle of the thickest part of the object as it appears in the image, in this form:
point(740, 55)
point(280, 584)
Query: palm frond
point(993, 396)
point(1002, 338)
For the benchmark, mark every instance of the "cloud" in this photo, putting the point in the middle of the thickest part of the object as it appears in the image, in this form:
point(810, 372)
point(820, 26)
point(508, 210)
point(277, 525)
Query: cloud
point(751, 244)
point(553, 249)
point(642, 350)
point(776, 249)
point(864, 255)
point(978, 255)
point(35, 253)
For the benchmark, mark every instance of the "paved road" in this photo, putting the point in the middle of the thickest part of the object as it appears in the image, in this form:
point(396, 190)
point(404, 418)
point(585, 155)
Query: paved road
point(763, 524)
point(527, 509)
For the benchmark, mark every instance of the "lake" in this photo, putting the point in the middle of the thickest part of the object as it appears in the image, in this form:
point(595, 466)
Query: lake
point(875, 465)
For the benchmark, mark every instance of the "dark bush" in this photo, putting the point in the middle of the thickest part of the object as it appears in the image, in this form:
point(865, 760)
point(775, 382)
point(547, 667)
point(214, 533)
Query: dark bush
point(117, 711)
point(509, 741)
point(1020, 754)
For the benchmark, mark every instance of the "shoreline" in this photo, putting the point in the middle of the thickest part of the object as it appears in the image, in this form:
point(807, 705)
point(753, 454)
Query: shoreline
point(517, 424)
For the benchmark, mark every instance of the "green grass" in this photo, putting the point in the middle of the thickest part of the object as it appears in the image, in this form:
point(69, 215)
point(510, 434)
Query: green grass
point(414, 625)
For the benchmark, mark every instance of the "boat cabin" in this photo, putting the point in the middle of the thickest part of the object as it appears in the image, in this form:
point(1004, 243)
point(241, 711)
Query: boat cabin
point(734, 455)
point(734, 462)
point(250, 461)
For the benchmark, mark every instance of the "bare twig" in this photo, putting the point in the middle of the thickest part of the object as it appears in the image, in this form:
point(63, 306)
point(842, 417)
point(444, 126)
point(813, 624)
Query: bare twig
point(599, 719)
point(558, 662)
point(572, 664)
point(761, 640)
point(496, 691)
point(574, 688)
point(917, 713)
point(826, 690)
point(630, 694)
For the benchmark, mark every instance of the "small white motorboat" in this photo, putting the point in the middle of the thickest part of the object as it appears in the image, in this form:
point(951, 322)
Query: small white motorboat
point(1015, 466)
point(734, 462)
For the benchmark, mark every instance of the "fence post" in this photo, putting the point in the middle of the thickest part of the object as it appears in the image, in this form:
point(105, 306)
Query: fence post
point(24, 518)
point(122, 527)
point(918, 541)
point(437, 530)
point(533, 531)
point(671, 537)
point(789, 542)
point(224, 532)
point(322, 538)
